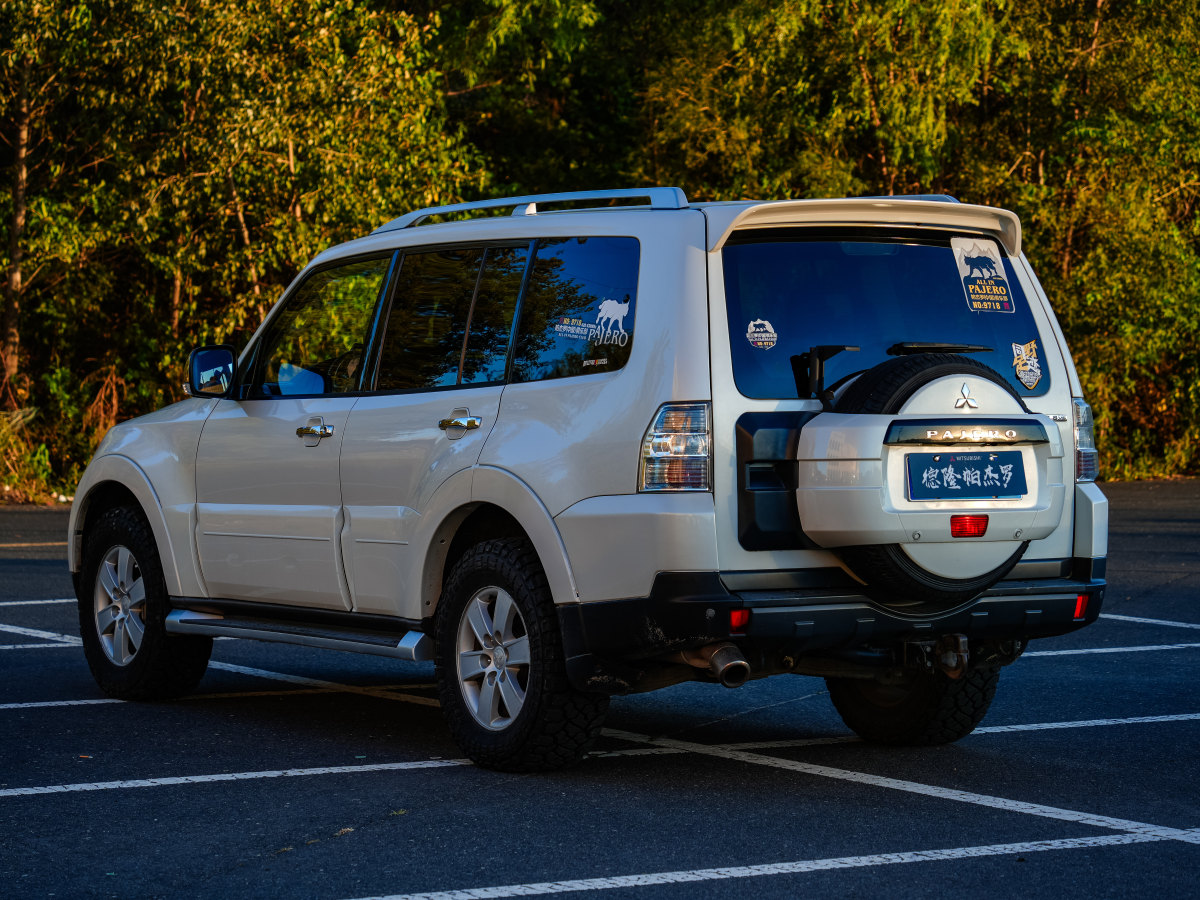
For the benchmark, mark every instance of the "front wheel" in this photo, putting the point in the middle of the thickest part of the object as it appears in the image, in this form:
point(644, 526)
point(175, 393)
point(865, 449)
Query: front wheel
point(926, 708)
point(122, 615)
point(500, 667)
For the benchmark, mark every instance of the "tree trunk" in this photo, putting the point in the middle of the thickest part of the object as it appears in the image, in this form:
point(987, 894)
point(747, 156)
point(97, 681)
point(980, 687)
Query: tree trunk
point(10, 348)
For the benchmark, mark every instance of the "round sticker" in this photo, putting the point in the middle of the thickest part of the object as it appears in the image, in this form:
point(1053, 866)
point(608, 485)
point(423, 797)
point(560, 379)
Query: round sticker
point(761, 334)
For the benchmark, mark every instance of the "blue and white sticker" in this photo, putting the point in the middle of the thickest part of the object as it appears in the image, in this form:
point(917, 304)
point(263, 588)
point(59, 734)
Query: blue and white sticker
point(981, 268)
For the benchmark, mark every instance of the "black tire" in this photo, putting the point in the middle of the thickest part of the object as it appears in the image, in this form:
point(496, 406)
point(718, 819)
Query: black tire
point(889, 385)
point(929, 708)
point(554, 724)
point(890, 575)
point(124, 629)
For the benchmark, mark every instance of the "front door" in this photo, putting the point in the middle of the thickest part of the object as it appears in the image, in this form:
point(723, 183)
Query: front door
point(269, 508)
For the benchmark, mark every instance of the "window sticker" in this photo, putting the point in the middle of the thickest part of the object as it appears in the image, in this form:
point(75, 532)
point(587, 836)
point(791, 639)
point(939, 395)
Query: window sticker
point(1026, 365)
point(609, 327)
point(980, 268)
point(761, 334)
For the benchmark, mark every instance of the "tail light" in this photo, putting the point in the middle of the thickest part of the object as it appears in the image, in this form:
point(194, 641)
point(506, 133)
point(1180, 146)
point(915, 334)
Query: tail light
point(1087, 457)
point(677, 449)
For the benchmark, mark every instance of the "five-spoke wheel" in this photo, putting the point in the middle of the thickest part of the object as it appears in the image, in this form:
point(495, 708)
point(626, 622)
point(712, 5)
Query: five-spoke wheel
point(493, 658)
point(120, 605)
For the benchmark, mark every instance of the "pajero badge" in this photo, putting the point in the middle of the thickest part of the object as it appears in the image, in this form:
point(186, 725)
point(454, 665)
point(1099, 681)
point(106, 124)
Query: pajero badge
point(980, 267)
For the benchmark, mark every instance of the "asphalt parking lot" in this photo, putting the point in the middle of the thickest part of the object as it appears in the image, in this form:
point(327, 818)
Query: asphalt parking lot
point(306, 773)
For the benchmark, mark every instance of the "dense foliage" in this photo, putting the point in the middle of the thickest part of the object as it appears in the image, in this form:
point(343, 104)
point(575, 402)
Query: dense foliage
point(169, 168)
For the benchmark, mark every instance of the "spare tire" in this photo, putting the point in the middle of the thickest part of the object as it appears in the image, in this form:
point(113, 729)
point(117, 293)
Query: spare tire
point(890, 575)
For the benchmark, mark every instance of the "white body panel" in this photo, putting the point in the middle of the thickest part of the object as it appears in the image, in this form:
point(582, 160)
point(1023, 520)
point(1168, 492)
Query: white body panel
point(394, 458)
point(269, 507)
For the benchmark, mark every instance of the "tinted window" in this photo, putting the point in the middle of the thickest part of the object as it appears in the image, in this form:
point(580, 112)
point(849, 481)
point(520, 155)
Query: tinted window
point(578, 310)
point(786, 293)
point(423, 340)
point(492, 315)
point(315, 345)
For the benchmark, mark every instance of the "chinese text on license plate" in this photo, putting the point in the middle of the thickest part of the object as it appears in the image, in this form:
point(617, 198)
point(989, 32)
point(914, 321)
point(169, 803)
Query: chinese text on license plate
point(980, 475)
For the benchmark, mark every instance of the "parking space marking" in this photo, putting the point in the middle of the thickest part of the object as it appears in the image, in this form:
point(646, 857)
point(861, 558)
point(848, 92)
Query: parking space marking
point(799, 867)
point(1143, 649)
point(1142, 621)
point(913, 787)
point(330, 685)
point(54, 646)
point(1087, 723)
point(230, 776)
point(4, 603)
point(38, 633)
point(46, 704)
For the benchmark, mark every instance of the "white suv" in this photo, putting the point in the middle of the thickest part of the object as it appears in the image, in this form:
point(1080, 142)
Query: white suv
point(574, 452)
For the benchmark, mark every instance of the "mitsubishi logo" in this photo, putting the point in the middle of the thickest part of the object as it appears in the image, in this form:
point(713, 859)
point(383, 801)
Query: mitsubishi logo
point(966, 400)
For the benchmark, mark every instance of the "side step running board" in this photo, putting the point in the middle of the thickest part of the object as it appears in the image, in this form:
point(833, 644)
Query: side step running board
point(411, 645)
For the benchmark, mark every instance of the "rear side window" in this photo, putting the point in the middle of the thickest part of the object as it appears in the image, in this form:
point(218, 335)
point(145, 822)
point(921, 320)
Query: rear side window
point(423, 340)
point(788, 291)
point(578, 311)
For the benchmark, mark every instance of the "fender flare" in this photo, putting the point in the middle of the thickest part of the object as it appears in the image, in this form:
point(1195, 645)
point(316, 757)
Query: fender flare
point(123, 471)
point(457, 498)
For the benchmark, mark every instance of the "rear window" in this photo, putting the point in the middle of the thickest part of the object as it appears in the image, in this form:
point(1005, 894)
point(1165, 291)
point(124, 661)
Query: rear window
point(788, 291)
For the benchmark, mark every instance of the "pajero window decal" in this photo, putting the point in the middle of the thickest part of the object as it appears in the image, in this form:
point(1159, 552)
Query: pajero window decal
point(981, 269)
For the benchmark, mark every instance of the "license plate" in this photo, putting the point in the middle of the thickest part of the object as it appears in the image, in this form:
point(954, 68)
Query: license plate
point(966, 476)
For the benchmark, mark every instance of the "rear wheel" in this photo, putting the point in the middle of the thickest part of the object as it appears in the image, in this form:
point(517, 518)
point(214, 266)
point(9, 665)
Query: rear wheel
point(500, 666)
point(926, 708)
point(122, 615)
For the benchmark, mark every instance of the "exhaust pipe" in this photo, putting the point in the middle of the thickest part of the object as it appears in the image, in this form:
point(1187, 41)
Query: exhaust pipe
point(724, 661)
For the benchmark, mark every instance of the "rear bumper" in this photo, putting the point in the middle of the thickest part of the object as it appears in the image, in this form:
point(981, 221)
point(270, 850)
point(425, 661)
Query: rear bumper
point(610, 644)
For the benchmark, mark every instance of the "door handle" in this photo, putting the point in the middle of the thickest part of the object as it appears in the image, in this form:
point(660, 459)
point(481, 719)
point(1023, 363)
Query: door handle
point(317, 431)
point(467, 422)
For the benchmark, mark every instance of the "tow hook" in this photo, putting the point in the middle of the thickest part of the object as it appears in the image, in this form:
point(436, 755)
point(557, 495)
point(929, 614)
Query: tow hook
point(951, 654)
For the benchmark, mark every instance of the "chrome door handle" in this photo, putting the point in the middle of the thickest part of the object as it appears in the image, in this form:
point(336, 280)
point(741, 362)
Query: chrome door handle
point(467, 422)
point(317, 431)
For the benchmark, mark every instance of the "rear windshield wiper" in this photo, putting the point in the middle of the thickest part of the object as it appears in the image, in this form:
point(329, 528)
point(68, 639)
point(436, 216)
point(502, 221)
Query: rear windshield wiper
point(907, 347)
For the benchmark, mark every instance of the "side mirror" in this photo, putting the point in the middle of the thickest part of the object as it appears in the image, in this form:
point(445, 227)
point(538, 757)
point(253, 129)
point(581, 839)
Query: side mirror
point(210, 371)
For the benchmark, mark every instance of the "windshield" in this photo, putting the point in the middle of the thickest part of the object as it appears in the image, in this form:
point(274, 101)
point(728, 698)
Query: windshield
point(789, 290)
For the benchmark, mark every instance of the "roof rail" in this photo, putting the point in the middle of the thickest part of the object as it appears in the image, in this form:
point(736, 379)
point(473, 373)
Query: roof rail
point(936, 198)
point(656, 197)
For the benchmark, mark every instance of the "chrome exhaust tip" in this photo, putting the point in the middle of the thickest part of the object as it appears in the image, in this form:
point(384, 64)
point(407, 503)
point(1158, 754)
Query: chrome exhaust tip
point(729, 666)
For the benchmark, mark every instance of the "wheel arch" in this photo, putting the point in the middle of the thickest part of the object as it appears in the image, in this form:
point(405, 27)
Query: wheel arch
point(498, 505)
point(115, 481)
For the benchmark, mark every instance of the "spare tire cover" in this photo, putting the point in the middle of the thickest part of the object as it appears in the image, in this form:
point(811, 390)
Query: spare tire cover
point(893, 574)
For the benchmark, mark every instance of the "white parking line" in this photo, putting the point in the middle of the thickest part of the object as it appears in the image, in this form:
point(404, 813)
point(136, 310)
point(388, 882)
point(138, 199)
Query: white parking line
point(46, 704)
point(785, 868)
point(55, 646)
point(230, 776)
point(1143, 649)
point(4, 603)
point(38, 633)
point(1087, 723)
point(912, 787)
point(1142, 621)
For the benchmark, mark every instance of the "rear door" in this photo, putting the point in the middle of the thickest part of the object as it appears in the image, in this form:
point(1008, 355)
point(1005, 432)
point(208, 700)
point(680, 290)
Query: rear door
point(269, 508)
point(436, 393)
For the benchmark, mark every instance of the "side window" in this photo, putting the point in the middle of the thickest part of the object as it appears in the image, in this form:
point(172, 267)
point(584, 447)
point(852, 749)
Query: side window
point(578, 311)
point(315, 345)
point(492, 316)
point(423, 341)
